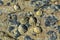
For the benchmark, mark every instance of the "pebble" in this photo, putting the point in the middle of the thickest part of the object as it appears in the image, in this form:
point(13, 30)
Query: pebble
point(22, 29)
point(53, 37)
point(39, 12)
point(1, 2)
point(57, 6)
point(10, 28)
point(13, 0)
point(50, 32)
point(18, 34)
point(35, 10)
point(53, 0)
point(17, 7)
point(37, 30)
point(58, 28)
point(29, 14)
point(27, 25)
point(51, 20)
point(12, 18)
point(27, 37)
point(8, 4)
point(31, 21)
point(26, 19)
point(25, 28)
point(22, 21)
point(0, 12)
point(39, 3)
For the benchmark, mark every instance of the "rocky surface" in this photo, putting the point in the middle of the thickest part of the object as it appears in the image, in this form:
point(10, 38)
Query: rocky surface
point(29, 19)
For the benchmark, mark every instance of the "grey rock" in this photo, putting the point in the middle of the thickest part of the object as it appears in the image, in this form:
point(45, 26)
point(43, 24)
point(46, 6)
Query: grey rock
point(1, 2)
point(50, 32)
point(27, 38)
point(18, 34)
point(51, 20)
point(10, 28)
point(53, 37)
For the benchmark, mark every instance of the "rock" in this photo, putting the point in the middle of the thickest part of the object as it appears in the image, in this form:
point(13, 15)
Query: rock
point(12, 18)
point(27, 37)
point(53, 36)
point(10, 28)
point(39, 3)
point(17, 34)
point(22, 29)
point(8, 4)
point(28, 14)
point(39, 12)
point(53, 0)
point(50, 32)
point(22, 21)
point(17, 7)
point(58, 28)
point(27, 25)
point(1, 2)
point(51, 20)
point(25, 28)
point(13, 0)
point(0, 12)
point(37, 30)
point(32, 20)
point(26, 19)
